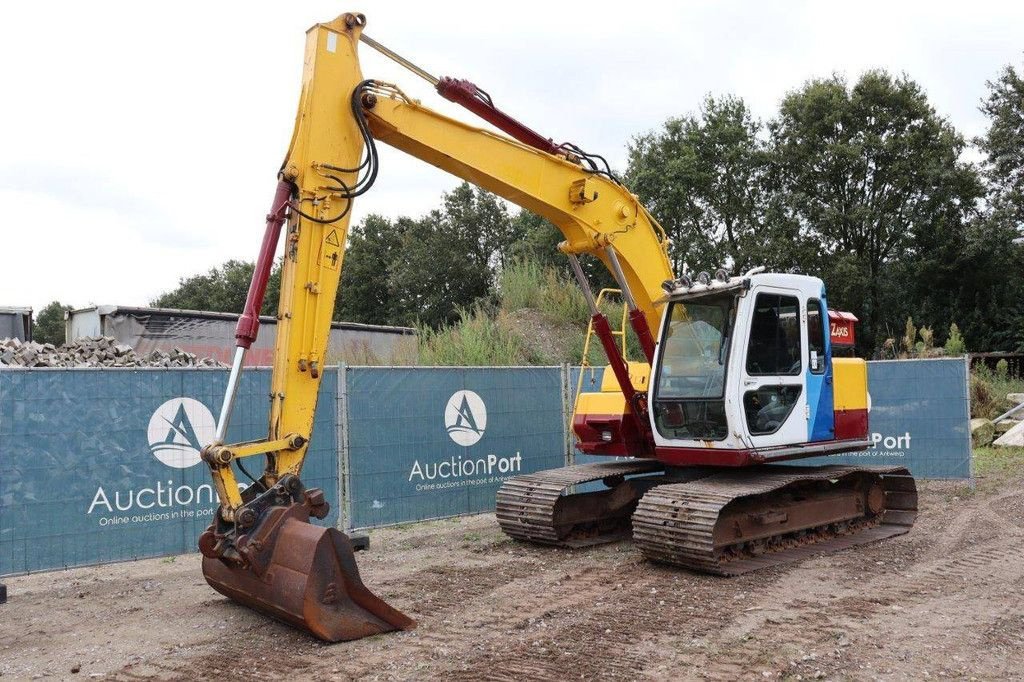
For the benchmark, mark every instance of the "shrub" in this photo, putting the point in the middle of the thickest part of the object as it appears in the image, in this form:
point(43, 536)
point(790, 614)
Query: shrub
point(909, 336)
point(983, 400)
point(478, 339)
point(520, 285)
point(955, 342)
point(927, 338)
point(989, 390)
point(1002, 369)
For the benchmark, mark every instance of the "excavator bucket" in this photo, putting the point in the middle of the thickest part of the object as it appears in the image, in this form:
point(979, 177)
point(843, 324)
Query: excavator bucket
point(308, 578)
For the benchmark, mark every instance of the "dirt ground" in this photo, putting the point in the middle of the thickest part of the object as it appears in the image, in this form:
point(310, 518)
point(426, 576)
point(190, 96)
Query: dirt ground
point(947, 600)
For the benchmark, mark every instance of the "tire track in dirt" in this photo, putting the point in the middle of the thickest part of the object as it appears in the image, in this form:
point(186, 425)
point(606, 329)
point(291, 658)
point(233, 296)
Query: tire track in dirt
point(820, 619)
point(619, 637)
point(810, 624)
point(505, 637)
point(479, 606)
point(496, 610)
point(242, 655)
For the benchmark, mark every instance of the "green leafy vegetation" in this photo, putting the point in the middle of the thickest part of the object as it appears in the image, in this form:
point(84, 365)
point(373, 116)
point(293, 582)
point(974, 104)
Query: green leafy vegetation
point(862, 183)
point(528, 284)
point(989, 390)
point(479, 338)
point(48, 325)
point(955, 342)
point(221, 289)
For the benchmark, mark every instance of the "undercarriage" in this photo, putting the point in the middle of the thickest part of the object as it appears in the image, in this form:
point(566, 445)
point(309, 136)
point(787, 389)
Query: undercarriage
point(711, 520)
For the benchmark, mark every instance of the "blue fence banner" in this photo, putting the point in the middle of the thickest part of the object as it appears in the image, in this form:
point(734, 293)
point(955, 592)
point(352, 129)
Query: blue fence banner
point(919, 417)
point(103, 465)
point(426, 443)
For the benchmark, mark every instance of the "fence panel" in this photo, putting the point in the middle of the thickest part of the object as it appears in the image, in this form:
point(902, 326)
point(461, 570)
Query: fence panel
point(103, 465)
point(435, 442)
point(919, 418)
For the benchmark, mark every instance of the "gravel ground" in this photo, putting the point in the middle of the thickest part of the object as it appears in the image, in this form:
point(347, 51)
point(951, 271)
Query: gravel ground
point(945, 601)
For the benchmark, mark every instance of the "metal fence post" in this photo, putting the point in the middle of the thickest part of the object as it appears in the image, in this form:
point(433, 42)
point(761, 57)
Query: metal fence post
point(570, 454)
point(970, 437)
point(341, 431)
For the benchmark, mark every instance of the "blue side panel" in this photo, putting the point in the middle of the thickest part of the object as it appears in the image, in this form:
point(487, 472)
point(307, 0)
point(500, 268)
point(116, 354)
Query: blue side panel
point(819, 389)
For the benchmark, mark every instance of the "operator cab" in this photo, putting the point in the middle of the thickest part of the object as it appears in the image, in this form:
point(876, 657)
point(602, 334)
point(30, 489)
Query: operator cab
point(744, 373)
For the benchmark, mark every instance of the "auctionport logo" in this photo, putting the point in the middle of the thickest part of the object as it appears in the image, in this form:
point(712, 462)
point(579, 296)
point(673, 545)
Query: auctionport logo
point(177, 431)
point(465, 418)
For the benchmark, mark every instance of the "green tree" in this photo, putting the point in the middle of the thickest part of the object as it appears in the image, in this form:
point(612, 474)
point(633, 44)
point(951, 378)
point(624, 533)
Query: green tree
point(1003, 146)
point(365, 293)
point(996, 320)
point(448, 260)
point(48, 325)
point(703, 179)
point(537, 242)
point(961, 273)
point(955, 342)
point(438, 271)
point(221, 289)
point(477, 217)
point(872, 177)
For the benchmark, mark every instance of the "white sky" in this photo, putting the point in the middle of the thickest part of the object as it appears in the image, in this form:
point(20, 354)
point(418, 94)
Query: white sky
point(139, 141)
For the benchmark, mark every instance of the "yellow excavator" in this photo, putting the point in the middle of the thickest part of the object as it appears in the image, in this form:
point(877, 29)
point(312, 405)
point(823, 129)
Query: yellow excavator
point(737, 374)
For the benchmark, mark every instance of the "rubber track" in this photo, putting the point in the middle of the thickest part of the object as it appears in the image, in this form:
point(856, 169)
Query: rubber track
point(674, 523)
point(526, 504)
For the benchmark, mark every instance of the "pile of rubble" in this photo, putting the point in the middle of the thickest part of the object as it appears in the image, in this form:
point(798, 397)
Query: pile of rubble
point(1006, 432)
point(94, 351)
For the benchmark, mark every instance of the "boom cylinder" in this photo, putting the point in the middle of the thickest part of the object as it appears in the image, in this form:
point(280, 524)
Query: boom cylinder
point(637, 319)
point(603, 331)
point(249, 322)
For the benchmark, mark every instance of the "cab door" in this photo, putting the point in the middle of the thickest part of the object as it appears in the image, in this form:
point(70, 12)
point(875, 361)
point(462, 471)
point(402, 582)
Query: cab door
point(821, 421)
point(772, 386)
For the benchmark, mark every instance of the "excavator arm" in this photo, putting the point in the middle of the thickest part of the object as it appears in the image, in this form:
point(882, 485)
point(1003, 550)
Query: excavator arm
point(262, 549)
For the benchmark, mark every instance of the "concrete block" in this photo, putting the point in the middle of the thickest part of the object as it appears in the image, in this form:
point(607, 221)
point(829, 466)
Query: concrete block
point(1014, 438)
point(982, 432)
point(1005, 425)
point(94, 352)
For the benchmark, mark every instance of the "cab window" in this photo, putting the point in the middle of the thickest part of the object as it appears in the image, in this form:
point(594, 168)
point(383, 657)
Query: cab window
point(775, 347)
point(689, 390)
point(816, 321)
point(693, 350)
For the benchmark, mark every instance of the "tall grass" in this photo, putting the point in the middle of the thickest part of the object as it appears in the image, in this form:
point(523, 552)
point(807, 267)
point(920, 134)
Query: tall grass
point(483, 337)
point(477, 339)
point(527, 284)
point(360, 353)
point(988, 392)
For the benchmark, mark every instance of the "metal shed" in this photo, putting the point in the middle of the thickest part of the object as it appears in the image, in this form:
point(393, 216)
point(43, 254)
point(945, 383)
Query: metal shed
point(210, 334)
point(16, 323)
